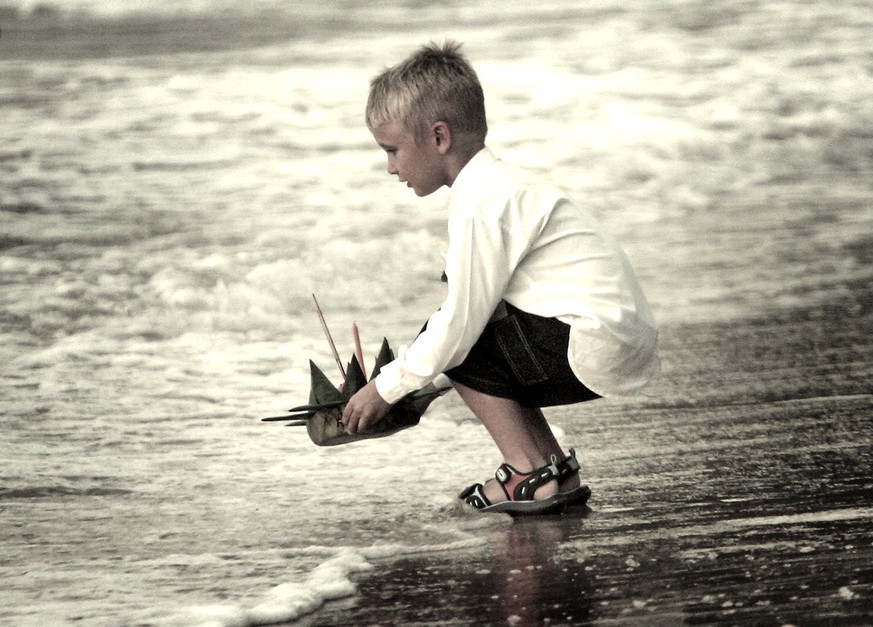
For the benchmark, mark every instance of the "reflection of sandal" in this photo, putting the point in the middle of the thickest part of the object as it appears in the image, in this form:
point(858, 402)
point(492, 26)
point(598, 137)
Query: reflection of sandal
point(519, 488)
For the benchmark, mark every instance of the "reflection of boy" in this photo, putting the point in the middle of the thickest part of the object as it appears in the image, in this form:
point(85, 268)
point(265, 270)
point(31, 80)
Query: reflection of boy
point(543, 308)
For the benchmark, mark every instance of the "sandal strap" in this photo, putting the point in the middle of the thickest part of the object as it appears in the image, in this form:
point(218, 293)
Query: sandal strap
point(521, 486)
point(475, 495)
point(569, 466)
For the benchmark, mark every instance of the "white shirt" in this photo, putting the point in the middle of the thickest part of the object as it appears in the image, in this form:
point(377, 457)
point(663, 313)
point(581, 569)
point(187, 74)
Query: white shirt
point(513, 237)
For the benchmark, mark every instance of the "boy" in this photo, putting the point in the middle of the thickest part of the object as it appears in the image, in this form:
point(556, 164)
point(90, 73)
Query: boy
point(542, 307)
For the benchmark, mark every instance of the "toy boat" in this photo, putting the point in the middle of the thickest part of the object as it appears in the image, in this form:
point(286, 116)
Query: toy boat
point(322, 416)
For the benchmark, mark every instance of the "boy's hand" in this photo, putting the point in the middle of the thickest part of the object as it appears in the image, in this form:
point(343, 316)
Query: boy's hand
point(364, 409)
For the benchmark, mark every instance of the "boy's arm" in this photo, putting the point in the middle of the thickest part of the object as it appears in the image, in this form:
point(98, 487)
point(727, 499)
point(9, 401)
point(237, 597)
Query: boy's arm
point(479, 263)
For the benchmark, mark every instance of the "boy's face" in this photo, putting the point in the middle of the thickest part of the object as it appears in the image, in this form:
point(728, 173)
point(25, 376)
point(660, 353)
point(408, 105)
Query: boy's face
point(418, 164)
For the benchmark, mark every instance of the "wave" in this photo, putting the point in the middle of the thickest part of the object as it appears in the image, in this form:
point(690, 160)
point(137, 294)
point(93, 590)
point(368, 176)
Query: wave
point(77, 10)
point(81, 29)
point(38, 9)
point(332, 579)
point(50, 491)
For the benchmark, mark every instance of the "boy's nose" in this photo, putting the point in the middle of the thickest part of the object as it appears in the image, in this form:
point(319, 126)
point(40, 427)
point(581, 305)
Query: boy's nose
point(392, 163)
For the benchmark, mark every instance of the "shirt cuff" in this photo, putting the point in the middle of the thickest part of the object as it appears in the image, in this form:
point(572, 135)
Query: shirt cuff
point(389, 383)
point(392, 386)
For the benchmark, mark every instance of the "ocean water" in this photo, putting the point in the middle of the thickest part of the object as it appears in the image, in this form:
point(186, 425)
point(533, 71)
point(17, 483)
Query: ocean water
point(178, 178)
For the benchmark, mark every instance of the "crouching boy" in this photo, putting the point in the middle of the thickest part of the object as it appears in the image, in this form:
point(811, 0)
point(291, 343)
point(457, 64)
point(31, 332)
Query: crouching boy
point(543, 308)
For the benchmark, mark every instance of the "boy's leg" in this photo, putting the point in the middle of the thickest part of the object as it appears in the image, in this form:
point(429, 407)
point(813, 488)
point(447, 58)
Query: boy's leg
point(521, 433)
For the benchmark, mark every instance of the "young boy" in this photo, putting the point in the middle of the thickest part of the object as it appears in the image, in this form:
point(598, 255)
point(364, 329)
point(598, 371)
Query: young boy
point(542, 307)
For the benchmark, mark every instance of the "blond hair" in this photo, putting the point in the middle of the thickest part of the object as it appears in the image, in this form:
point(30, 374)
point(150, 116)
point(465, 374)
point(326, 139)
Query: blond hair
point(434, 84)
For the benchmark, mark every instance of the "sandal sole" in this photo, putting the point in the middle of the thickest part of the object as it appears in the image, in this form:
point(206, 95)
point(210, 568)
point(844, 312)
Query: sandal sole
point(551, 505)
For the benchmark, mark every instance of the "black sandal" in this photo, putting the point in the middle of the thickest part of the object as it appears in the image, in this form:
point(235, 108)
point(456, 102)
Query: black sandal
point(521, 500)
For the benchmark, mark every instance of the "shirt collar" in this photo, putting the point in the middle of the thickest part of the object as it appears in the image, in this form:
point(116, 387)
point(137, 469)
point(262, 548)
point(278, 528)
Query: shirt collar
point(472, 170)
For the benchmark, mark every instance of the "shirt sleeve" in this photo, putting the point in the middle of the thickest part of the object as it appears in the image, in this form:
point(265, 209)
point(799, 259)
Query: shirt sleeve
point(478, 267)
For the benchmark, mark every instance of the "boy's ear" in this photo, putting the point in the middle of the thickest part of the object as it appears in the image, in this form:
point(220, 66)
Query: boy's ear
point(442, 136)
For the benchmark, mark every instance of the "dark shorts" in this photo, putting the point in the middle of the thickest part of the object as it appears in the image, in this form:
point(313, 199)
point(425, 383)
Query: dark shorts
point(523, 357)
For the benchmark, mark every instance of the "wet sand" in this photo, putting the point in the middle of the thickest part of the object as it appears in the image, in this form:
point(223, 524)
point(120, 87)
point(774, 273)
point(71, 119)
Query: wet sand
point(750, 505)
